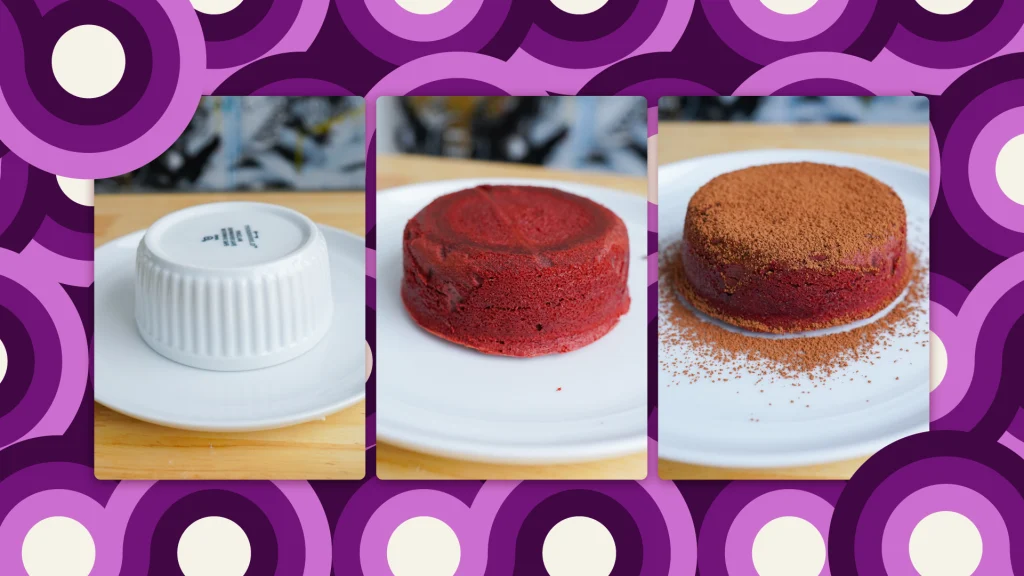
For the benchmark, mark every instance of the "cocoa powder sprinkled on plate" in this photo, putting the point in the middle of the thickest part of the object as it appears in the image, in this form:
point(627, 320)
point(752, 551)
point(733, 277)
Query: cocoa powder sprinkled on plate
point(717, 348)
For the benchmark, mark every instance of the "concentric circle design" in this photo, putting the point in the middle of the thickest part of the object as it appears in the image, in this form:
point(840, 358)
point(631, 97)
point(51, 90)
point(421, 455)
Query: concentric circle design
point(478, 75)
point(887, 499)
point(47, 352)
point(116, 132)
point(47, 216)
point(428, 22)
point(763, 35)
point(88, 61)
point(742, 537)
point(214, 546)
point(818, 74)
point(970, 154)
point(945, 544)
point(954, 33)
point(283, 523)
point(399, 36)
point(423, 546)
point(258, 29)
point(1010, 168)
point(579, 546)
point(968, 396)
point(995, 179)
point(789, 20)
point(58, 546)
point(624, 28)
point(13, 188)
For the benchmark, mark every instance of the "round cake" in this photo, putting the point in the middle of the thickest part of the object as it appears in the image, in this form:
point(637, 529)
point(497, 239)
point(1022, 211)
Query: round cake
point(516, 270)
point(793, 247)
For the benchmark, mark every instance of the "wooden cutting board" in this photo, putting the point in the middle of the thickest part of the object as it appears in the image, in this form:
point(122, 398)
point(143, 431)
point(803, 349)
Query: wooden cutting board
point(328, 449)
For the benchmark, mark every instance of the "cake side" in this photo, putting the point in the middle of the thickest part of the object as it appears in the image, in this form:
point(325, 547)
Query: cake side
point(793, 247)
point(516, 271)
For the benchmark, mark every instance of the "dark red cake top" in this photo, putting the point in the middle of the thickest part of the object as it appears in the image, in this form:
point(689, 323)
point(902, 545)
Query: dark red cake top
point(795, 214)
point(514, 219)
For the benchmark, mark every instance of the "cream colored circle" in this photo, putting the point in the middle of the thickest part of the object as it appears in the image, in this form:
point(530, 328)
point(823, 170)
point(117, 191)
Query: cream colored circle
point(579, 546)
point(58, 546)
point(788, 546)
point(214, 7)
point(945, 544)
point(3, 361)
point(79, 191)
point(579, 7)
point(424, 546)
point(939, 360)
point(1010, 169)
point(789, 7)
point(944, 6)
point(88, 61)
point(214, 546)
point(369, 361)
point(423, 6)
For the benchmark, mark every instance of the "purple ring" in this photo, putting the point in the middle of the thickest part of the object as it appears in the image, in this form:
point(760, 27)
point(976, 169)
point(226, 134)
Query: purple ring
point(946, 498)
point(754, 516)
point(423, 27)
point(41, 151)
point(964, 52)
point(840, 35)
point(981, 166)
point(789, 27)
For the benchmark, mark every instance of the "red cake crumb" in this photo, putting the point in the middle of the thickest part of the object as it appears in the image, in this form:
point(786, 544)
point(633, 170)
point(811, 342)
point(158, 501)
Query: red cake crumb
point(794, 247)
point(516, 270)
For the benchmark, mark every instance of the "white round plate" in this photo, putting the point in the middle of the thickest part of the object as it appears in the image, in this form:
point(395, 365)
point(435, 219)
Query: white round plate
point(133, 379)
point(441, 398)
point(730, 424)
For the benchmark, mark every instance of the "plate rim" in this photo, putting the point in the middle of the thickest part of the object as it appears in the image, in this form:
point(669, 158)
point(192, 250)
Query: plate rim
point(395, 432)
point(672, 172)
point(247, 425)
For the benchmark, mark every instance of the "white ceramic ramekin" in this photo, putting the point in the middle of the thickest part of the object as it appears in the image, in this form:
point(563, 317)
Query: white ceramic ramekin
point(233, 286)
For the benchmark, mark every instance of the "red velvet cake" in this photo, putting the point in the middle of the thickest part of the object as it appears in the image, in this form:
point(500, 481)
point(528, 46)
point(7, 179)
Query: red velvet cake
point(793, 247)
point(516, 270)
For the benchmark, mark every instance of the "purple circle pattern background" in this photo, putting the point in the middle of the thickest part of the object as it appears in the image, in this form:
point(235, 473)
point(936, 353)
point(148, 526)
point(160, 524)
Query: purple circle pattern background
point(969, 64)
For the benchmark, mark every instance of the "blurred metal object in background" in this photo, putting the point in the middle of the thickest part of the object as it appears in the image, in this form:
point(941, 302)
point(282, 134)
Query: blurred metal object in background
point(260, 143)
point(598, 133)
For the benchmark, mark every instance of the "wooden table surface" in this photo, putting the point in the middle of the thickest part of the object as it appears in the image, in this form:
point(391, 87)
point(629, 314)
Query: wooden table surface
point(400, 170)
point(677, 141)
point(395, 463)
point(328, 449)
point(901, 143)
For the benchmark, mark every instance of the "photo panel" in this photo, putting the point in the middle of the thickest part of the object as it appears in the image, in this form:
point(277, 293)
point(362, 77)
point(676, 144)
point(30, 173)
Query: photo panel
point(511, 287)
point(230, 297)
point(793, 317)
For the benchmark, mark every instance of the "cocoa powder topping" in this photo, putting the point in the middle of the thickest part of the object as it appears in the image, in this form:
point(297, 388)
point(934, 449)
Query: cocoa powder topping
point(800, 214)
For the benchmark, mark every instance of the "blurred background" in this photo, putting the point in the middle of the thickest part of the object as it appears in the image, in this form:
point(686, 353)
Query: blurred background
point(256, 143)
point(795, 109)
point(591, 133)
